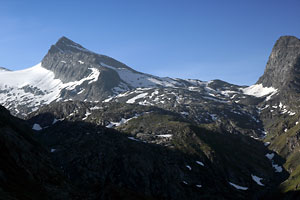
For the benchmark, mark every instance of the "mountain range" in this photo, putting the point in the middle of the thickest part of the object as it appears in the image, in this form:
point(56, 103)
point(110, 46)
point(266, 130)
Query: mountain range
point(80, 125)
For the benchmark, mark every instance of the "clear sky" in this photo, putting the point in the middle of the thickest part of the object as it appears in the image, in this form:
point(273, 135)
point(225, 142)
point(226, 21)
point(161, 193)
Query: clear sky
point(202, 39)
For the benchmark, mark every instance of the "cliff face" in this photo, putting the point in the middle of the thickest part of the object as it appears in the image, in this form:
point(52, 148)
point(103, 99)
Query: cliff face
point(283, 67)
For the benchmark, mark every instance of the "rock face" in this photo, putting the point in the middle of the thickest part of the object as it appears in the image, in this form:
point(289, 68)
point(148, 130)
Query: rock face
point(71, 62)
point(280, 115)
point(283, 67)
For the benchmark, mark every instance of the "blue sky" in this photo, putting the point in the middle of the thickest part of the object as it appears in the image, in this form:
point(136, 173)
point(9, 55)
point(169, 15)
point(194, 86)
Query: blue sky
point(203, 39)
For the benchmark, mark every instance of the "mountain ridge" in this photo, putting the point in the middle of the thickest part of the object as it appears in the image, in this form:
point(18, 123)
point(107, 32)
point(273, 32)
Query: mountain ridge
point(78, 101)
point(78, 74)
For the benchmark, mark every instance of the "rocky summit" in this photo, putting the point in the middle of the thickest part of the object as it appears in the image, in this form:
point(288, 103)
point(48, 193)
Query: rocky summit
point(80, 125)
point(283, 67)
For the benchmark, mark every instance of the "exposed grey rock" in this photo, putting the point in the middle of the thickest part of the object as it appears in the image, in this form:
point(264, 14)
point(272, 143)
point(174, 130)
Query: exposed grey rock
point(71, 62)
point(283, 67)
point(4, 69)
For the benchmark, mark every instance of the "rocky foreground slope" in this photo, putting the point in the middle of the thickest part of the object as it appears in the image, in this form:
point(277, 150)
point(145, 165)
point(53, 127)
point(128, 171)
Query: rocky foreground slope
point(26, 170)
point(114, 133)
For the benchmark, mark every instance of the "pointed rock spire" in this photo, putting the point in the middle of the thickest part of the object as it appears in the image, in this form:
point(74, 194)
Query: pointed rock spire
point(283, 67)
point(65, 45)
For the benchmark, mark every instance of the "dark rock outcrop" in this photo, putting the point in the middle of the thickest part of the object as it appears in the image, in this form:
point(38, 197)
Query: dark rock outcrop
point(26, 170)
point(4, 69)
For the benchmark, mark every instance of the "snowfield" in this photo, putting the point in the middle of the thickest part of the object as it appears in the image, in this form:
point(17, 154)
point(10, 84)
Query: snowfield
point(36, 86)
point(132, 100)
point(136, 79)
point(36, 77)
point(259, 91)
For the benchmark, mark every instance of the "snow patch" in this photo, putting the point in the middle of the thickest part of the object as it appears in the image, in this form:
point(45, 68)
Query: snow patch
point(259, 91)
point(121, 122)
point(135, 79)
point(86, 115)
point(108, 100)
point(227, 93)
point(238, 187)
point(291, 113)
point(213, 117)
point(92, 77)
point(134, 139)
point(95, 108)
point(270, 156)
point(200, 163)
point(54, 121)
point(277, 167)
point(257, 180)
point(267, 144)
point(132, 100)
point(81, 91)
point(184, 113)
point(165, 135)
point(36, 127)
point(266, 106)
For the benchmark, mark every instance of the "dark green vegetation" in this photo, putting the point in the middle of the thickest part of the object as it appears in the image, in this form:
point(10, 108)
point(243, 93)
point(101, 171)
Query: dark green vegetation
point(150, 153)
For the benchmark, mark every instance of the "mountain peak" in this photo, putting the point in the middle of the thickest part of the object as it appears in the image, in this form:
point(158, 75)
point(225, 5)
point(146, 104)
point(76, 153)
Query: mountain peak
point(66, 41)
point(64, 44)
point(4, 69)
point(283, 67)
point(287, 41)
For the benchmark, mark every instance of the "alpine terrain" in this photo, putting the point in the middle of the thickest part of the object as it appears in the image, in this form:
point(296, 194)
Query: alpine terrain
point(80, 125)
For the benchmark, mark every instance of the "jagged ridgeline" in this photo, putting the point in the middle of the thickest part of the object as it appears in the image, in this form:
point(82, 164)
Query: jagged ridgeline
point(101, 130)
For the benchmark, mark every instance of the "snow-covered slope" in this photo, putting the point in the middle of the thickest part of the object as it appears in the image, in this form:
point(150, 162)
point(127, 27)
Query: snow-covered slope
point(31, 87)
point(258, 90)
point(34, 87)
point(138, 80)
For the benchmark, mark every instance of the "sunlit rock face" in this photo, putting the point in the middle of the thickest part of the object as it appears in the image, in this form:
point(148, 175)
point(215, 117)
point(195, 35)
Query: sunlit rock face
point(283, 67)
